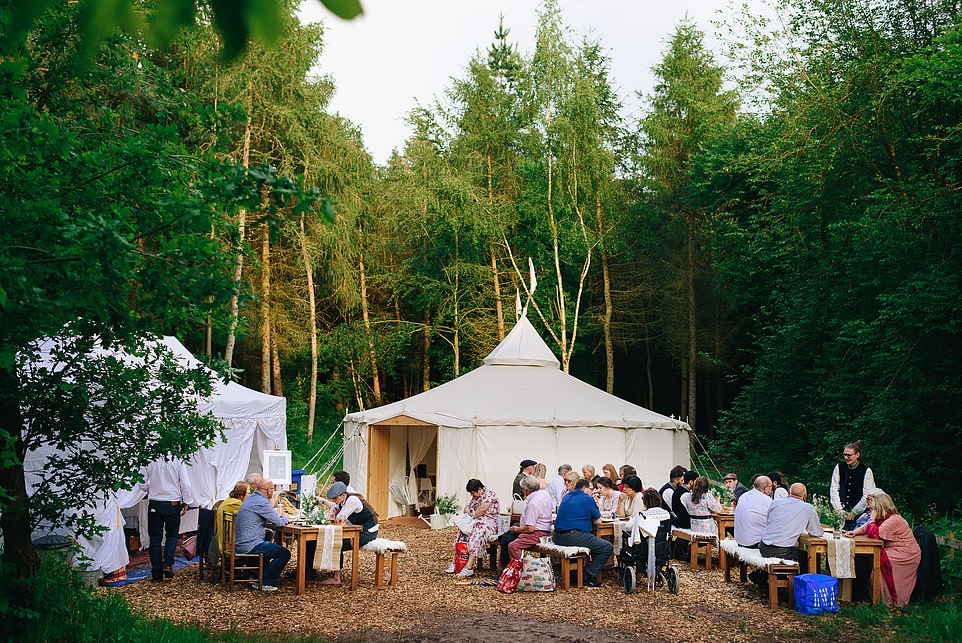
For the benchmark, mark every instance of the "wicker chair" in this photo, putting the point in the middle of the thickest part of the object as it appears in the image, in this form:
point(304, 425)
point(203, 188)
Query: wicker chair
point(232, 561)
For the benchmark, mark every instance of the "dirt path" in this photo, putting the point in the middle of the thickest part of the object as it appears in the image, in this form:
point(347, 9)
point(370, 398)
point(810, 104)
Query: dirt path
point(427, 605)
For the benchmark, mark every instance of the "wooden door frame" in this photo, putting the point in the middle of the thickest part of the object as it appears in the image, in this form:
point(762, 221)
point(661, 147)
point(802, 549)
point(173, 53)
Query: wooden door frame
point(379, 459)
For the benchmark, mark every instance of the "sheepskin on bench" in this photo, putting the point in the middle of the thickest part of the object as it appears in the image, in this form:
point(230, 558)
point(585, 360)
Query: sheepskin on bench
point(387, 557)
point(781, 572)
point(697, 542)
point(561, 551)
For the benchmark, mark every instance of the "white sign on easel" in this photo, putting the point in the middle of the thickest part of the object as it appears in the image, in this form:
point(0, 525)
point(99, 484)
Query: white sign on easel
point(277, 466)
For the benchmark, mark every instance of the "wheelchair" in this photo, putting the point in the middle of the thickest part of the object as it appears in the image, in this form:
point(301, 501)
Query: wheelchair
point(633, 561)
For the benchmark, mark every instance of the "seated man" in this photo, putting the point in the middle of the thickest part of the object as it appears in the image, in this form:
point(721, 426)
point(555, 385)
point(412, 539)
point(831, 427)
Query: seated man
point(735, 487)
point(536, 519)
point(556, 488)
point(668, 489)
point(254, 515)
point(787, 519)
point(576, 514)
point(751, 513)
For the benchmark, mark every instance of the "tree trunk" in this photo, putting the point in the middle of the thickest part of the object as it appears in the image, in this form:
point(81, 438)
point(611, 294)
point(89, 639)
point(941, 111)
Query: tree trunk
point(241, 223)
point(692, 345)
point(312, 314)
point(19, 554)
point(683, 402)
point(277, 386)
point(498, 304)
point(606, 319)
point(426, 349)
point(265, 311)
point(375, 380)
point(648, 373)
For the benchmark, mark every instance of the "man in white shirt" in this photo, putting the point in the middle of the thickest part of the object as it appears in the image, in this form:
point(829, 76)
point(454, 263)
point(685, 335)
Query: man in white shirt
point(556, 488)
point(751, 513)
point(168, 496)
point(788, 518)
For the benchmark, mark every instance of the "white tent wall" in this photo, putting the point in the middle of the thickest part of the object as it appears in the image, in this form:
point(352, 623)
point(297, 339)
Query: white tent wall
point(457, 461)
point(252, 421)
point(355, 454)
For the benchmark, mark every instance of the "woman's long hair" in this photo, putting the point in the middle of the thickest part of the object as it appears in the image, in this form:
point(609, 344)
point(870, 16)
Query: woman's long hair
point(699, 489)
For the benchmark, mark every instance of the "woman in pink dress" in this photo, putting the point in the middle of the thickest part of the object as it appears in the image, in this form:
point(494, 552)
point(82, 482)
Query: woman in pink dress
point(900, 551)
point(484, 508)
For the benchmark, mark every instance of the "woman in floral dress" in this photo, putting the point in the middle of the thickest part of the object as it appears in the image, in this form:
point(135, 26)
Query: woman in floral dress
point(700, 504)
point(484, 508)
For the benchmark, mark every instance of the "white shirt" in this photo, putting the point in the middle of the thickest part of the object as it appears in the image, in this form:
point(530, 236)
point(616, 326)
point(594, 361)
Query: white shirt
point(868, 485)
point(556, 489)
point(751, 517)
point(352, 505)
point(787, 519)
point(166, 481)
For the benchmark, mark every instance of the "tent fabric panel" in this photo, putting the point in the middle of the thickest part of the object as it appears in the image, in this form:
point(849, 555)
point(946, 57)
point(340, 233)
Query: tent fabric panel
point(458, 462)
point(649, 451)
point(682, 448)
point(589, 445)
point(398, 464)
point(355, 454)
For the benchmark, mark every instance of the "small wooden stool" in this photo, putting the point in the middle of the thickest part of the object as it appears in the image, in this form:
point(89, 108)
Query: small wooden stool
point(388, 559)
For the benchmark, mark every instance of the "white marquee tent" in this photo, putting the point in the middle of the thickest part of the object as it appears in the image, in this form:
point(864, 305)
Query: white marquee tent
point(518, 405)
point(253, 421)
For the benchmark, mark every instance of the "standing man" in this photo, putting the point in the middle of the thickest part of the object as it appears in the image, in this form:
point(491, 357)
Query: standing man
point(735, 487)
point(851, 483)
point(536, 519)
point(751, 513)
point(556, 488)
point(526, 469)
point(788, 518)
point(254, 515)
point(168, 496)
point(573, 526)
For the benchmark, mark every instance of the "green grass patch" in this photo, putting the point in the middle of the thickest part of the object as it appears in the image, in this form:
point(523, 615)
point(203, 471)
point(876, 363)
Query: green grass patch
point(938, 620)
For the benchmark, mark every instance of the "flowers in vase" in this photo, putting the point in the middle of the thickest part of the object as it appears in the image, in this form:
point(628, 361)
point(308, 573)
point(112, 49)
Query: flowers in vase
point(315, 513)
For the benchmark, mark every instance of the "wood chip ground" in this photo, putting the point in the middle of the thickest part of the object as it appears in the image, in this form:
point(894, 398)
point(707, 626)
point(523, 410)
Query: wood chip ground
point(428, 605)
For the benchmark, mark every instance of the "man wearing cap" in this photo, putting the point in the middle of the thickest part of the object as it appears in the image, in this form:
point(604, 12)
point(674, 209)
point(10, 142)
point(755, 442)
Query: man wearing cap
point(351, 508)
point(526, 469)
point(254, 515)
point(735, 487)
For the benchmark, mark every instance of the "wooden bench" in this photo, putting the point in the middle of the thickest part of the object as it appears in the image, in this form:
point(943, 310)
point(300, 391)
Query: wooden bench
point(697, 544)
point(386, 554)
point(572, 561)
point(781, 573)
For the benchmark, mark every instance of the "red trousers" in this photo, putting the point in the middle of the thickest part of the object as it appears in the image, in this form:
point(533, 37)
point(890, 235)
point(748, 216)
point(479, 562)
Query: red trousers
point(524, 541)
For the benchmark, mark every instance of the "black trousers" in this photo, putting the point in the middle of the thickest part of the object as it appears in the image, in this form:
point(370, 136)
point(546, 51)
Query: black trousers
point(163, 518)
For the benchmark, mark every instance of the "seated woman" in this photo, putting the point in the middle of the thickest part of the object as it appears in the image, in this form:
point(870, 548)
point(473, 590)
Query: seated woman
point(540, 471)
point(700, 504)
point(229, 505)
point(608, 497)
point(623, 472)
point(354, 509)
point(484, 508)
point(609, 471)
point(900, 551)
point(779, 485)
point(630, 501)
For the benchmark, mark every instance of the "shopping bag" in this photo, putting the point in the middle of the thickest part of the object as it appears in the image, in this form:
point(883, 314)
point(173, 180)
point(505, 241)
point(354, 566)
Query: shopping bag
point(536, 574)
point(517, 505)
point(816, 594)
point(510, 577)
point(465, 523)
point(460, 556)
point(504, 523)
point(189, 547)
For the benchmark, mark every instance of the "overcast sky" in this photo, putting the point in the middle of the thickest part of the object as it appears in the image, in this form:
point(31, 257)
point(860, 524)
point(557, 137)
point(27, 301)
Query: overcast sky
point(402, 51)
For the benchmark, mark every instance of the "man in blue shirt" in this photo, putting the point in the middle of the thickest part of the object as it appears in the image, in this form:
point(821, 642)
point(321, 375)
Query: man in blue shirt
point(577, 513)
point(252, 517)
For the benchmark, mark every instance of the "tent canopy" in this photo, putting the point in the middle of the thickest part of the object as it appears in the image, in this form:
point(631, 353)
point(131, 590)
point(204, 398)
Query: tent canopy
point(252, 422)
point(518, 405)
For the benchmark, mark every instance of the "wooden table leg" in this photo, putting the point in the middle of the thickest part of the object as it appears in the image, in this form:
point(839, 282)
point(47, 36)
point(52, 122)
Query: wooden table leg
point(301, 563)
point(355, 547)
point(876, 576)
point(708, 561)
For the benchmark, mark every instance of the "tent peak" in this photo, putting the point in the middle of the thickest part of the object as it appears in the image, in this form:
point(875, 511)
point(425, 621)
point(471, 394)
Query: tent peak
point(523, 346)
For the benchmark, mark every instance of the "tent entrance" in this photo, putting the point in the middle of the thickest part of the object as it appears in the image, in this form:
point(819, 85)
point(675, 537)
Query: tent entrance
point(402, 464)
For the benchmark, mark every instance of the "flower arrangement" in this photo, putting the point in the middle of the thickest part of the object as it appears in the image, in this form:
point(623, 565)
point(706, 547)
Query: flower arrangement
point(315, 513)
point(447, 504)
point(827, 514)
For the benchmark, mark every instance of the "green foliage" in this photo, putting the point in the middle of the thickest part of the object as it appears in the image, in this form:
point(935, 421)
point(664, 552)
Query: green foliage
point(447, 504)
point(236, 23)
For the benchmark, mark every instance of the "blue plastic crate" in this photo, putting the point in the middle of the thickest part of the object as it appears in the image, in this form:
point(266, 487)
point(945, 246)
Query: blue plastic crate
point(816, 594)
point(296, 480)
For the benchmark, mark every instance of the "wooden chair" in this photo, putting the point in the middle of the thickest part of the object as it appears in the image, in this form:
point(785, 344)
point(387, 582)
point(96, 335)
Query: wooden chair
point(232, 562)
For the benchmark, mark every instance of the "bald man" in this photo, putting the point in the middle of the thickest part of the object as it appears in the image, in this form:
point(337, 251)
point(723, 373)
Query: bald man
point(751, 512)
point(788, 518)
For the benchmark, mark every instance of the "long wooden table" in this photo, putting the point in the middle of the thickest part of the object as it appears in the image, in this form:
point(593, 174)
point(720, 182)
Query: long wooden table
point(864, 546)
point(726, 523)
point(302, 534)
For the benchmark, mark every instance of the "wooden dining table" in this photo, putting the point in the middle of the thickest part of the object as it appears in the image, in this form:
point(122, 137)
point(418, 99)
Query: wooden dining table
point(817, 548)
point(726, 523)
point(300, 535)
